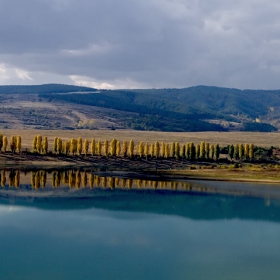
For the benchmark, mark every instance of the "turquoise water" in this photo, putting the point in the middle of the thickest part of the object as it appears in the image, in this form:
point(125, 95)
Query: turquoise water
point(140, 234)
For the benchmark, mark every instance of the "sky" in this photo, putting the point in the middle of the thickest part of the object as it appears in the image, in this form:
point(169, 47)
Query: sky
point(141, 44)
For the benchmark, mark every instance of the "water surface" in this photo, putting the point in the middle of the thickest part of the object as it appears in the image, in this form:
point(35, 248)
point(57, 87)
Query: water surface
point(139, 233)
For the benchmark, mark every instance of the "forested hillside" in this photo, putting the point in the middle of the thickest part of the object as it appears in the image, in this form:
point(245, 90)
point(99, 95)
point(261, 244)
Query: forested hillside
point(194, 105)
point(199, 108)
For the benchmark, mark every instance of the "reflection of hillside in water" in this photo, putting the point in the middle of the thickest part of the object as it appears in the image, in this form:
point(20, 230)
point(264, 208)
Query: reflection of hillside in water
point(73, 189)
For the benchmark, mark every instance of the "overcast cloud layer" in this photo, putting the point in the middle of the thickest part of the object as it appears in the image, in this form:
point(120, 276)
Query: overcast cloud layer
point(141, 44)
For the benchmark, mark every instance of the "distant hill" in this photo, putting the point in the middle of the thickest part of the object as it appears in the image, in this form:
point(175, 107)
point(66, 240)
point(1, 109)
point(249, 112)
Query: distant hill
point(199, 108)
point(190, 105)
point(40, 89)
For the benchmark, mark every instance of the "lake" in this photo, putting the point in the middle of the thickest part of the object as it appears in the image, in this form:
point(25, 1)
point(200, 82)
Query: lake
point(54, 226)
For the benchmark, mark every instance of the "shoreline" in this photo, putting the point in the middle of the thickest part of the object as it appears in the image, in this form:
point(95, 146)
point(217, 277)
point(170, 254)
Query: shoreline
point(171, 169)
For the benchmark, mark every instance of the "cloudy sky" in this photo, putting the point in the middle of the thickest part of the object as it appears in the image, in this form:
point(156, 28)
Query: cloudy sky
point(141, 44)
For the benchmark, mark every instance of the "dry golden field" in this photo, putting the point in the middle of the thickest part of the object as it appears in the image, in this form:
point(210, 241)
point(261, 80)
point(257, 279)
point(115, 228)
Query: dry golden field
point(223, 138)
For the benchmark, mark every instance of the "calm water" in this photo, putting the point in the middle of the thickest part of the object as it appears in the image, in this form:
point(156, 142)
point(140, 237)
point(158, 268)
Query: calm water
point(139, 233)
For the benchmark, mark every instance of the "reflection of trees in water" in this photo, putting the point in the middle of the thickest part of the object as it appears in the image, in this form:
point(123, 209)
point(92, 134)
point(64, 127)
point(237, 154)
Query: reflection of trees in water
point(123, 183)
point(78, 179)
point(97, 180)
point(129, 183)
point(111, 183)
point(84, 179)
point(12, 176)
point(91, 180)
point(43, 178)
point(104, 182)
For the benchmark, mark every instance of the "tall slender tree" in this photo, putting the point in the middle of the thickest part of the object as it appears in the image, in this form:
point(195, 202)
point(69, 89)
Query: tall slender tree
point(157, 149)
point(80, 146)
point(106, 148)
point(45, 145)
point(131, 148)
point(5, 143)
point(207, 150)
point(230, 151)
point(39, 144)
point(141, 149)
point(202, 150)
point(73, 146)
point(241, 151)
point(1, 142)
point(19, 143)
point(124, 148)
point(146, 150)
point(152, 150)
point(172, 150)
point(197, 151)
point(251, 151)
point(34, 144)
point(92, 147)
point(54, 144)
point(217, 151)
point(212, 151)
point(246, 150)
point(167, 151)
point(118, 149)
point(99, 148)
point(113, 147)
point(86, 146)
point(13, 143)
point(177, 150)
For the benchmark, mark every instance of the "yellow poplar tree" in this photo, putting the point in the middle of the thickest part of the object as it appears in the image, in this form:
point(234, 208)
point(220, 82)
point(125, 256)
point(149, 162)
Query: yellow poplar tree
point(172, 150)
point(118, 149)
point(246, 150)
point(54, 144)
point(1, 142)
point(162, 149)
point(34, 144)
point(92, 147)
point(146, 150)
point(13, 143)
point(183, 151)
point(113, 147)
point(141, 149)
point(73, 146)
point(106, 148)
point(157, 151)
point(39, 144)
point(131, 148)
point(241, 151)
point(59, 146)
point(202, 150)
point(99, 148)
point(167, 151)
point(19, 144)
point(177, 150)
point(79, 146)
point(152, 150)
point(207, 150)
point(5, 143)
point(212, 149)
point(124, 148)
point(45, 145)
point(86, 145)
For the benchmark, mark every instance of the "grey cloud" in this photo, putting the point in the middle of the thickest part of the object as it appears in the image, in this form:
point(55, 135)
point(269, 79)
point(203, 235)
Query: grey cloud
point(157, 43)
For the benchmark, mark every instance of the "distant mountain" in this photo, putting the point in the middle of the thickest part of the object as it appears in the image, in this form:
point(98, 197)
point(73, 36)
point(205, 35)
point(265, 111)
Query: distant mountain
point(46, 88)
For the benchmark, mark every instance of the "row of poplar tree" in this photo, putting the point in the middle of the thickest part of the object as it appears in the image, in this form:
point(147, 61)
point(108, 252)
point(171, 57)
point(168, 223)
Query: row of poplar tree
point(128, 149)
